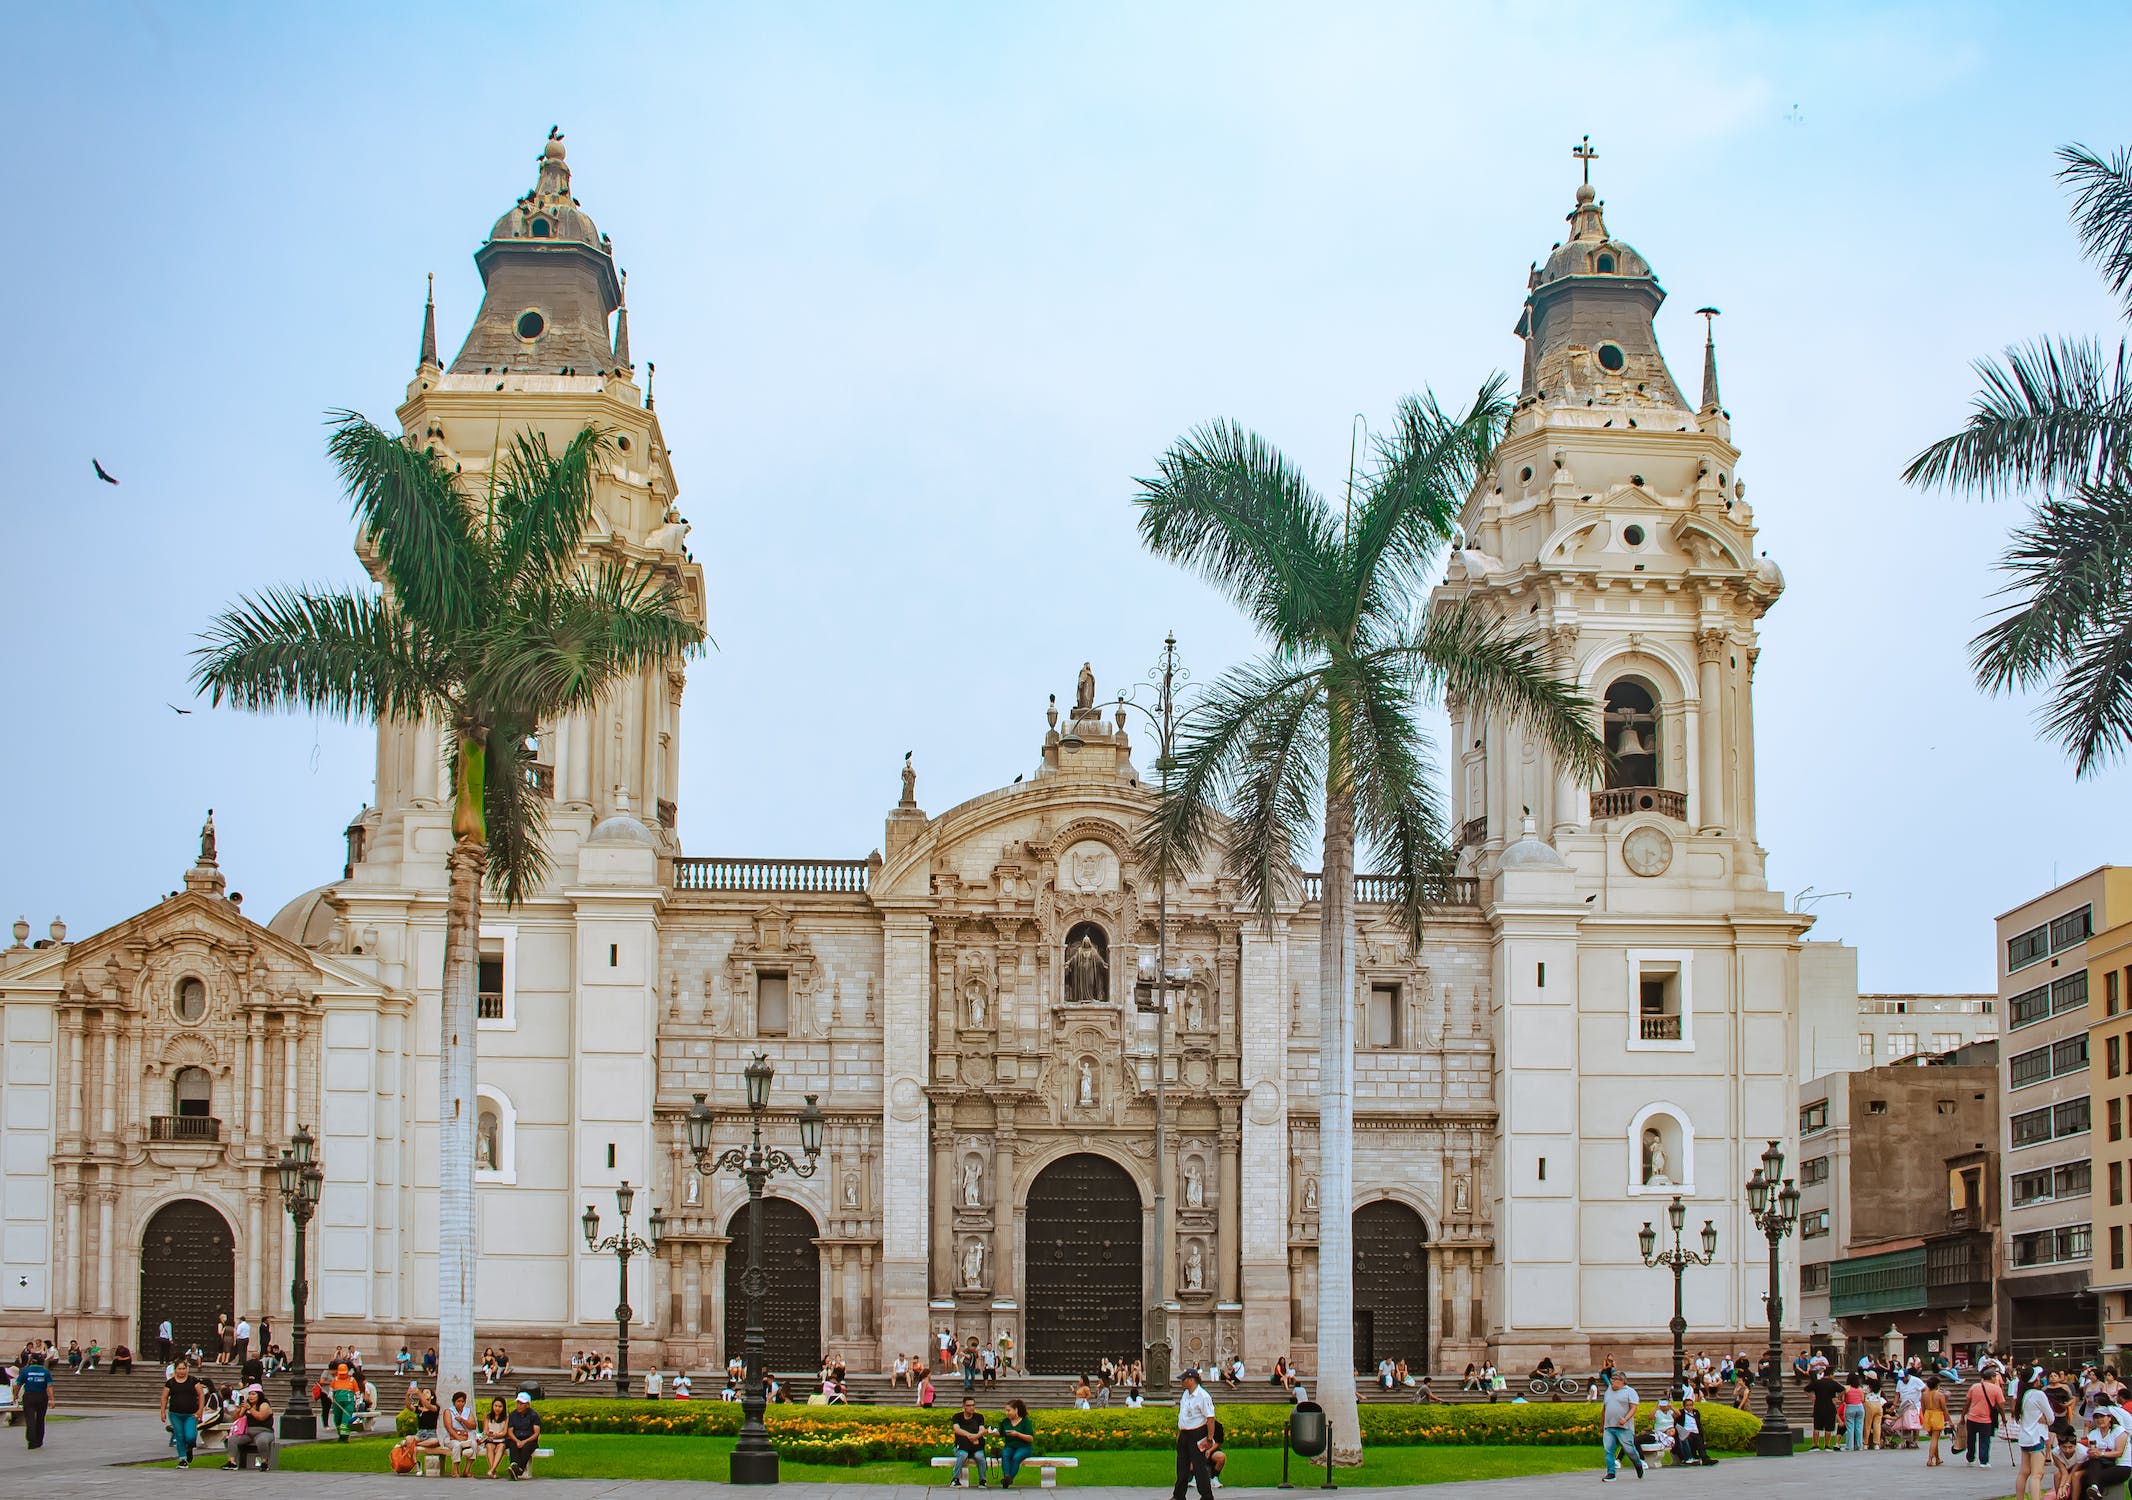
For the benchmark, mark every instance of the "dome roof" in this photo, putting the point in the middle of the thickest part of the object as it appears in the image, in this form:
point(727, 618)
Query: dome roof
point(308, 920)
point(1528, 853)
point(622, 828)
point(548, 212)
point(1590, 250)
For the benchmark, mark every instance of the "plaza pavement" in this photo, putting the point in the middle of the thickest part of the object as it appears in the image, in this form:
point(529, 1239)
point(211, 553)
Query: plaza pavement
point(90, 1458)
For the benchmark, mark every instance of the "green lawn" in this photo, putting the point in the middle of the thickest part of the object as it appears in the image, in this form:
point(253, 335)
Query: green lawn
point(605, 1456)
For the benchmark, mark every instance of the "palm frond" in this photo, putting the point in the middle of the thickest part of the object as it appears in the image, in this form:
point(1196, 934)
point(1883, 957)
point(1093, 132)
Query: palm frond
point(1229, 506)
point(2090, 709)
point(2066, 568)
point(560, 647)
point(1397, 815)
point(517, 815)
point(1274, 792)
point(1423, 470)
point(2050, 416)
point(413, 513)
point(1461, 650)
point(543, 503)
point(2102, 211)
point(347, 655)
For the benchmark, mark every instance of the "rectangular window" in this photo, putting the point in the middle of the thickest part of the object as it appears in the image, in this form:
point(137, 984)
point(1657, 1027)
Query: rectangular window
point(2075, 1243)
point(1382, 1026)
point(1658, 1007)
point(2028, 1007)
point(1661, 1007)
point(1813, 1170)
point(1867, 1046)
point(1813, 1117)
point(1814, 1225)
point(2109, 993)
point(2030, 1129)
point(2070, 1118)
point(2111, 1056)
point(1901, 1044)
point(489, 988)
point(2069, 993)
point(2032, 1187)
point(1814, 1278)
point(2027, 948)
point(2115, 1113)
point(1945, 1041)
point(2117, 1247)
point(2070, 1055)
point(773, 1005)
point(2025, 1068)
point(2076, 1179)
point(2072, 929)
point(2117, 1184)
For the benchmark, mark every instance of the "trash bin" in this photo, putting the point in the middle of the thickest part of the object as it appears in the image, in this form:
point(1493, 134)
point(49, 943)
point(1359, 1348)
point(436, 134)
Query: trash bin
point(1306, 1429)
point(533, 1388)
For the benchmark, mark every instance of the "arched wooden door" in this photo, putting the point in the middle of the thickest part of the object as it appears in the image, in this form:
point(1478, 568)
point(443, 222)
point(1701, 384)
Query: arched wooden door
point(188, 1274)
point(1082, 1241)
point(792, 1291)
point(1391, 1286)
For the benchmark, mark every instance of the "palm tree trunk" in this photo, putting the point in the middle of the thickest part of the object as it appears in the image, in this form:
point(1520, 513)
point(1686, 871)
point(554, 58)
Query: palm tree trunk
point(1336, 1124)
point(455, 1120)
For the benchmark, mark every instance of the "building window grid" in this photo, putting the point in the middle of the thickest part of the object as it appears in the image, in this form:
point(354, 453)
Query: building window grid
point(1814, 1278)
point(1813, 1170)
point(2045, 1247)
point(2053, 1122)
point(2051, 1184)
point(1901, 1044)
point(1813, 1117)
point(2069, 993)
point(2028, 1007)
point(2026, 1068)
point(1814, 1225)
point(2072, 929)
point(2028, 947)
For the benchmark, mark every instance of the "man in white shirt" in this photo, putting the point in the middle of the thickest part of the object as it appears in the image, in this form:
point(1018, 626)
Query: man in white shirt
point(903, 1366)
point(651, 1386)
point(1195, 1438)
point(244, 1339)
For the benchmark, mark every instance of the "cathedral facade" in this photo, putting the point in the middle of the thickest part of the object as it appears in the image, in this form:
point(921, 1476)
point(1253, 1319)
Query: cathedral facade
point(1599, 1017)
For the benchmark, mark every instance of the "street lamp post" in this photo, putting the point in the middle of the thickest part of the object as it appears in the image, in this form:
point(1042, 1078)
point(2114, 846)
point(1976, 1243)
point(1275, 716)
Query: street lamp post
point(754, 1460)
point(1151, 993)
point(300, 1179)
point(1775, 1210)
point(625, 1246)
point(1677, 1260)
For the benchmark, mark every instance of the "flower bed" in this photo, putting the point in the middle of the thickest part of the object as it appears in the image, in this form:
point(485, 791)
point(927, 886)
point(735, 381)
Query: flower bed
point(865, 1434)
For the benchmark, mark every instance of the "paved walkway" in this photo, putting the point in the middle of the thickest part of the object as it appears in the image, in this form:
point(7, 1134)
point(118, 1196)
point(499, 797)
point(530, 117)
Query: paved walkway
point(88, 1458)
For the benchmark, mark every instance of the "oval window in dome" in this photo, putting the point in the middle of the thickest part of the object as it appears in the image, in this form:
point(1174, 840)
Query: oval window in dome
point(531, 324)
point(540, 229)
point(1611, 359)
point(1605, 264)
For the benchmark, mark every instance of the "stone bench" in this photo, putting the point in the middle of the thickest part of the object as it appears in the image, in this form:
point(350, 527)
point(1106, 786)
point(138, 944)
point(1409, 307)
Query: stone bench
point(1047, 1479)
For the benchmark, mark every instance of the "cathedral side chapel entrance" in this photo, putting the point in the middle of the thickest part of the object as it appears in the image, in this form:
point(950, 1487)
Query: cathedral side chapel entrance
point(1082, 1239)
point(1391, 1286)
point(792, 1302)
point(188, 1273)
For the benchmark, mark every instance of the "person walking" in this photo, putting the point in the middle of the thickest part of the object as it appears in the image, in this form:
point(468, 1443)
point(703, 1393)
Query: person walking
point(1932, 1412)
point(180, 1407)
point(1979, 1416)
point(1618, 1418)
point(244, 1340)
point(1195, 1439)
point(33, 1394)
point(2033, 1412)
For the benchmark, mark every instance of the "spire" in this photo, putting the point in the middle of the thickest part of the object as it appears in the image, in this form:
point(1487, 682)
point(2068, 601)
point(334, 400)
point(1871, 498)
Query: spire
point(1710, 401)
point(429, 323)
point(622, 361)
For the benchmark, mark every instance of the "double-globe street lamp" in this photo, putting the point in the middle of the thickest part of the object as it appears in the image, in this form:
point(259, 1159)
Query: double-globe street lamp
point(301, 1178)
point(625, 1247)
point(754, 1460)
point(1677, 1260)
point(1775, 1210)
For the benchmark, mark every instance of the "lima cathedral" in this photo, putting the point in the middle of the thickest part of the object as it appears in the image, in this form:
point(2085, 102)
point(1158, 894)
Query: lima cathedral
point(1600, 1017)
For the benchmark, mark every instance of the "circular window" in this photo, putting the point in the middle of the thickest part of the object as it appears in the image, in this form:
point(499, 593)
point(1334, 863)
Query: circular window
point(192, 999)
point(622, 443)
point(531, 325)
point(1611, 358)
point(1606, 263)
point(1525, 474)
point(1633, 535)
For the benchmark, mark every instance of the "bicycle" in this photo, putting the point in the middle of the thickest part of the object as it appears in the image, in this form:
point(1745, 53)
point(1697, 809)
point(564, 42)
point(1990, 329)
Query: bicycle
point(1557, 1385)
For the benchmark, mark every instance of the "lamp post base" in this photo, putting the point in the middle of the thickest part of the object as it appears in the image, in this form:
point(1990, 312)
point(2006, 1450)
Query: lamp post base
point(1775, 1441)
point(753, 1468)
point(299, 1426)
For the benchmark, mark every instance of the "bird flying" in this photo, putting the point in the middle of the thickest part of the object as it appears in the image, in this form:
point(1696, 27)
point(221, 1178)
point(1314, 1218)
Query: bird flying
point(177, 710)
point(100, 474)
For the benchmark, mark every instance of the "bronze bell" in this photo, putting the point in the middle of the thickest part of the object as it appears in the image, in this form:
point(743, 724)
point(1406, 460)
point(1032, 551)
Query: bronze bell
point(1630, 743)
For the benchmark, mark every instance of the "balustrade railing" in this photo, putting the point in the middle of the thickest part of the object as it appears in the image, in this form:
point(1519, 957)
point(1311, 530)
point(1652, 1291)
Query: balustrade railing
point(184, 1128)
point(1620, 801)
point(1659, 1028)
point(1380, 890)
point(488, 1005)
point(1473, 831)
point(825, 876)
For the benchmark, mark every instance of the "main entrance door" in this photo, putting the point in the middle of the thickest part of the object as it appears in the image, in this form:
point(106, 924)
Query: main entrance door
point(1082, 1240)
point(1391, 1286)
point(792, 1295)
point(188, 1274)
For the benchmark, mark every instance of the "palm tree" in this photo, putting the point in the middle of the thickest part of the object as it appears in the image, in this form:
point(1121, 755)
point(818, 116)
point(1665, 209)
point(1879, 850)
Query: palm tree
point(1322, 731)
point(489, 626)
point(2056, 417)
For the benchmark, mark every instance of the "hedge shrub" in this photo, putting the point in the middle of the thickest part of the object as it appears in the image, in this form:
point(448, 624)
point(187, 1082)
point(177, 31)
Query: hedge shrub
point(865, 1434)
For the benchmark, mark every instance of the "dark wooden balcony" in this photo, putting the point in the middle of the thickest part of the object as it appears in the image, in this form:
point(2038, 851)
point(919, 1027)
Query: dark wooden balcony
point(192, 1129)
point(1621, 801)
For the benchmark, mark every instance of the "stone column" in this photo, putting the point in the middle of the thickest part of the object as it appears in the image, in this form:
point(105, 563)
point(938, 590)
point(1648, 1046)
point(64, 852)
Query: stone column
point(1227, 1259)
point(70, 1192)
point(691, 1290)
point(106, 1248)
point(1744, 719)
point(1006, 1275)
point(1710, 731)
point(576, 770)
point(833, 1269)
point(905, 1180)
point(255, 1106)
point(943, 1277)
point(288, 1074)
point(108, 1125)
point(254, 1250)
point(76, 1083)
point(428, 769)
point(1571, 810)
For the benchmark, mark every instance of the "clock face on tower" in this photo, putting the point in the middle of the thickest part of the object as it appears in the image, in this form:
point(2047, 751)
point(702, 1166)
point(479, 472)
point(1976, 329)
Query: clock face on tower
point(1647, 851)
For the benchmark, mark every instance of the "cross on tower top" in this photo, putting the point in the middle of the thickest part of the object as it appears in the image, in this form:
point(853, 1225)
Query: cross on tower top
point(1584, 153)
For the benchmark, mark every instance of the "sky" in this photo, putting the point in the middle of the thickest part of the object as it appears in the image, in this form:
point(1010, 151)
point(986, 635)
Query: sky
point(928, 285)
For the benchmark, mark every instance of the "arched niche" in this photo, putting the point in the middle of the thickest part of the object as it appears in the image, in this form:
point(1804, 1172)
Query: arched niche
point(1667, 1128)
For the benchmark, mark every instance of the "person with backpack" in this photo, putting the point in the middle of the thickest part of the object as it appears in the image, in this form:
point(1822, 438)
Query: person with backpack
point(1980, 1417)
point(33, 1394)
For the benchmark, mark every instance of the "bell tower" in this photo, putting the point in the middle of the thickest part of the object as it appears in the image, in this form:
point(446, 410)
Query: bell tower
point(548, 353)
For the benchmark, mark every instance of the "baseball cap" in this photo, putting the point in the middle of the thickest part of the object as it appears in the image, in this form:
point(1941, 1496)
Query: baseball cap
point(525, 1399)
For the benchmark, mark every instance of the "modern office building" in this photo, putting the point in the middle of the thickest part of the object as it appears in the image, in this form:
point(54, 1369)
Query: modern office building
point(2110, 1107)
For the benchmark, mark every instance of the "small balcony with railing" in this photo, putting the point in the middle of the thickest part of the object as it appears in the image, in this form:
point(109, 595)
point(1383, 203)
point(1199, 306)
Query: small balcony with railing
point(200, 1130)
point(1624, 801)
point(1658, 1027)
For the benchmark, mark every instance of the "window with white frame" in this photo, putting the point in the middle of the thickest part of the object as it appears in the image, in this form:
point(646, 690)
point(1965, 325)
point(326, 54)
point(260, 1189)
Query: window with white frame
point(1661, 1001)
point(773, 1002)
point(1901, 1044)
point(495, 1136)
point(496, 993)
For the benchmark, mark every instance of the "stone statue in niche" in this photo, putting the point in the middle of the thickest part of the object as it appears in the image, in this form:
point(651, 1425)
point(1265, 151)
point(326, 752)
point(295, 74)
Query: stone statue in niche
point(1195, 1018)
point(1310, 1195)
point(1087, 1097)
point(972, 1183)
point(977, 1005)
point(1195, 1269)
point(851, 1187)
point(1461, 1197)
point(1654, 1159)
point(973, 1264)
point(1195, 1187)
point(485, 1142)
point(1087, 971)
point(691, 1190)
